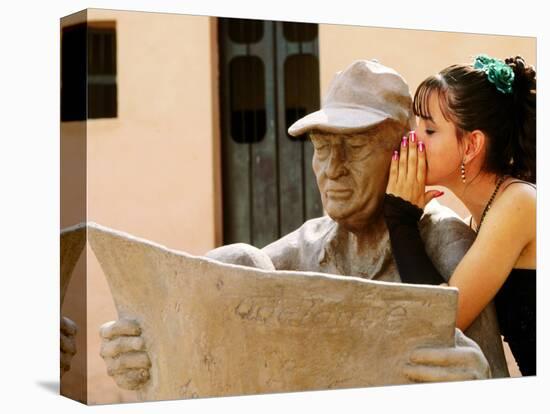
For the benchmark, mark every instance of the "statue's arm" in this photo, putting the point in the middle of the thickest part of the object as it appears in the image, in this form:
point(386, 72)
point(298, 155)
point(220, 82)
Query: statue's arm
point(242, 254)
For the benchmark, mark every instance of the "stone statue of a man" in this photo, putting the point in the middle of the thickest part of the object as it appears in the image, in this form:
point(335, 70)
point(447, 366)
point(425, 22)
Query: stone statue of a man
point(363, 117)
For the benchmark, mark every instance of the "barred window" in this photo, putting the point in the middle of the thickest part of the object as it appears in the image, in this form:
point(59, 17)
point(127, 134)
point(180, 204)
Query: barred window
point(88, 71)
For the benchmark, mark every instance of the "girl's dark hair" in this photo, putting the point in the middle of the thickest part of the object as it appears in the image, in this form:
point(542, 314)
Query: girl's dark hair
point(469, 100)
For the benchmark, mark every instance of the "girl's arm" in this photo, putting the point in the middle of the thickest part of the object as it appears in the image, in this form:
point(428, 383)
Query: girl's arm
point(507, 230)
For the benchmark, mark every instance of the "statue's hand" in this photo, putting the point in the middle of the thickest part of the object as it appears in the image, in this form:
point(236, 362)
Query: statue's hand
point(124, 353)
point(464, 361)
point(67, 343)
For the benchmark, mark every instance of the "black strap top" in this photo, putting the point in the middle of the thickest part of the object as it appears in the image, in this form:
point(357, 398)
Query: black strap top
point(517, 313)
point(516, 309)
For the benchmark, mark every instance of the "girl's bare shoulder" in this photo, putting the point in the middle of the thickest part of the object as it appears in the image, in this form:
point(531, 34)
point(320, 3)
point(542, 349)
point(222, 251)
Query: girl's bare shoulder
point(519, 196)
point(515, 209)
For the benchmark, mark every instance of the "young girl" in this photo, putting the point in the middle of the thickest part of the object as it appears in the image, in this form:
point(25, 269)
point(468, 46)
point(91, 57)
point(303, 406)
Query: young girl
point(476, 137)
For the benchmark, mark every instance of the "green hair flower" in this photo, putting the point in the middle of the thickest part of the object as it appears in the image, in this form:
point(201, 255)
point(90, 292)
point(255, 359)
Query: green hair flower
point(498, 72)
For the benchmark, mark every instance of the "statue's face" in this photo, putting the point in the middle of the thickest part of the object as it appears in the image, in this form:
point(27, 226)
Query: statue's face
point(352, 171)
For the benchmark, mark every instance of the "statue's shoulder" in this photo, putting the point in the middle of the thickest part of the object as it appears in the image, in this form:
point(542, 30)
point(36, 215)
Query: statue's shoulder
point(315, 229)
point(309, 232)
point(446, 237)
point(306, 241)
point(440, 219)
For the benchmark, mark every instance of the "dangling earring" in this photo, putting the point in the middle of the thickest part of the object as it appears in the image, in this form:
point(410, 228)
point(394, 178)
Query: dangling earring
point(463, 172)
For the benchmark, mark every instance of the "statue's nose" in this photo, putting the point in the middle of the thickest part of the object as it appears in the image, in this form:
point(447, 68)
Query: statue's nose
point(336, 164)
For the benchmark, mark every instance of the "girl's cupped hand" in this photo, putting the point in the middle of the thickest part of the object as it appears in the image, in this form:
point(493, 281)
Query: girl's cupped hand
point(408, 173)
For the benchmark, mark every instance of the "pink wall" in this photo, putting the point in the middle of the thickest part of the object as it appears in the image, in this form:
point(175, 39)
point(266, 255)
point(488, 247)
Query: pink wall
point(153, 170)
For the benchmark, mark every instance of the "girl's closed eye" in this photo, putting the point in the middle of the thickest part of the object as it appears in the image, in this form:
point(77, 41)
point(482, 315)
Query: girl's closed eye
point(429, 131)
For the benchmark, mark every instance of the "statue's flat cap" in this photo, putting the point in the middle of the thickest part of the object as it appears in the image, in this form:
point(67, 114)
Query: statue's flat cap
point(366, 93)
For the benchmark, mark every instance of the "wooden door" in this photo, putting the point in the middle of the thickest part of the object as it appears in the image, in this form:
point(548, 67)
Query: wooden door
point(269, 77)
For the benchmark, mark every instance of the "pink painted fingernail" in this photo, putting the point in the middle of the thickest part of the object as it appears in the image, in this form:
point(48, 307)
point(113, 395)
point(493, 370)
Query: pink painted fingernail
point(421, 146)
point(439, 194)
point(413, 136)
point(395, 155)
point(404, 142)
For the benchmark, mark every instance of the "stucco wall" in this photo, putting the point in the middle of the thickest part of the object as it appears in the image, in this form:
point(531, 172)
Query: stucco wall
point(151, 171)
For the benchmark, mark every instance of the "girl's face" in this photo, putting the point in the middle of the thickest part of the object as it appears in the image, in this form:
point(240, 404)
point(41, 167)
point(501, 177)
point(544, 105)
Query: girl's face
point(443, 152)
